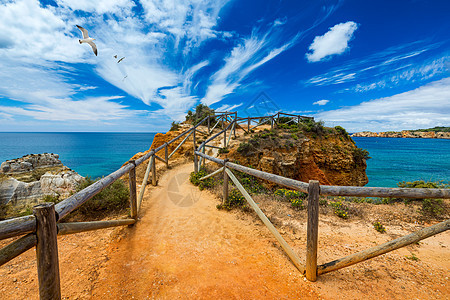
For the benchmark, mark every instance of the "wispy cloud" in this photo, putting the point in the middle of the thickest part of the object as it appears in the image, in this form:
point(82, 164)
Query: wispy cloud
point(426, 106)
point(321, 102)
point(333, 42)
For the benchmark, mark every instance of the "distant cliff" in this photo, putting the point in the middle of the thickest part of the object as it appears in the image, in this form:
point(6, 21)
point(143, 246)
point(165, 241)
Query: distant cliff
point(34, 176)
point(405, 134)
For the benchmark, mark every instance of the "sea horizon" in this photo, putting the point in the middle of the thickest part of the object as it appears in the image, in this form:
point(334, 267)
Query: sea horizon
point(97, 154)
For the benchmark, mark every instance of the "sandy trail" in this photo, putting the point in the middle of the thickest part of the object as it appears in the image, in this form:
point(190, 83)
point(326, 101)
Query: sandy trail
point(183, 247)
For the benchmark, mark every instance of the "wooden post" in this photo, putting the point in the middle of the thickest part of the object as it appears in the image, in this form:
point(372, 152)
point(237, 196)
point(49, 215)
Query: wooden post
point(225, 181)
point(298, 120)
point(209, 125)
point(248, 124)
point(195, 156)
point(166, 154)
point(312, 230)
point(271, 122)
point(204, 160)
point(153, 162)
point(223, 123)
point(132, 184)
point(225, 139)
point(47, 251)
point(235, 124)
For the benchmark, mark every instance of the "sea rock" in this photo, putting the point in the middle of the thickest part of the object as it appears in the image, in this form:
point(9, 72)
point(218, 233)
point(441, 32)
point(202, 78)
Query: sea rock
point(30, 162)
point(21, 184)
point(404, 134)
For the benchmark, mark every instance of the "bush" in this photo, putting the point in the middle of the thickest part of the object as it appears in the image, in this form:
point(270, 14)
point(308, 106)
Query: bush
point(201, 112)
point(360, 154)
point(113, 198)
point(342, 131)
point(235, 199)
point(223, 150)
point(309, 125)
point(294, 197)
point(202, 184)
point(175, 126)
point(379, 227)
point(430, 207)
point(340, 209)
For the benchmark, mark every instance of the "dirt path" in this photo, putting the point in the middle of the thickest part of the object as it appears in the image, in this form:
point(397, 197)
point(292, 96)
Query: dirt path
point(183, 247)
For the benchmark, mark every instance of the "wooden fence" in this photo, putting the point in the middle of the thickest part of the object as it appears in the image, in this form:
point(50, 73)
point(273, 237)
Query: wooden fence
point(41, 228)
point(314, 190)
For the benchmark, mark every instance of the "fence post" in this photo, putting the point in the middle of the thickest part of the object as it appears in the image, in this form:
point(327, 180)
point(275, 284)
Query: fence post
point(312, 230)
point(248, 124)
point(235, 124)
point(223, 123)
point(153, 170)
point(166, 154)
point(298, 120)
point(225, 181)
point(225, 139)
point(271, 122)
point(195, 155)
point(132, 184)
point(209, 125)
point(204, 159)
point(47, 251)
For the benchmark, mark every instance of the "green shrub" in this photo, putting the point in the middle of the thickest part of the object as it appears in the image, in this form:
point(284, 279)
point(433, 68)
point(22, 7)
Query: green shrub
point(223, 150)
point(235, 199)
point(340, 209)
point(202, 184)
point(201, 112)
point(379, 227)
point(360, 154)
point(342, 131)
point(175, 126)
point(113, 198)
point(296, 198)
point(244, 148)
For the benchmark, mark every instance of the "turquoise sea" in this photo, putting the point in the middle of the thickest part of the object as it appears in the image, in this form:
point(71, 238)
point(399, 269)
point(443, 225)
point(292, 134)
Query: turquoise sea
point(95, 154)
point(98, 154)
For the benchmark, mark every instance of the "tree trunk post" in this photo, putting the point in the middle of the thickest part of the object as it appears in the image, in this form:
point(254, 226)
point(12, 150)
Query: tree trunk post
point(153, 170)
point(248, 124)
point(195, 155)
point(271, 123)
point(47, 251)
point(166, 154)
point(225, 182)
point(132, 184)
point(312, 230)
point(209, 124)
point(204, 159)
point(225, 139)
point(223, 122)
point(235, 124)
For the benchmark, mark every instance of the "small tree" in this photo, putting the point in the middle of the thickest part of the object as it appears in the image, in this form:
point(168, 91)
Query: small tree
point(201, 112)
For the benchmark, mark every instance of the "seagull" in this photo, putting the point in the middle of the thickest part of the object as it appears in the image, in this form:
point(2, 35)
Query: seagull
point(87, 39)
point(115, 56)
point(121, 59)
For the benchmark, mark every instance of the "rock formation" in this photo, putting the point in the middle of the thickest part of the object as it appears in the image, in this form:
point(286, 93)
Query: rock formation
point(404, 134)
point(329, 158)
point(34, 176)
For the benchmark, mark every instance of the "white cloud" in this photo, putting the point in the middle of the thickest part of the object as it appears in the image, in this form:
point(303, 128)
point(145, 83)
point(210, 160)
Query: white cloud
point(426, 106)
point(321, 102)
point(98, 6)
point(226, 107)
point(334, 42)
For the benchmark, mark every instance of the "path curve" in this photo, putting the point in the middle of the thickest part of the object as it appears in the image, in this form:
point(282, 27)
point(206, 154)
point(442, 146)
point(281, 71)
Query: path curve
point(184, 248)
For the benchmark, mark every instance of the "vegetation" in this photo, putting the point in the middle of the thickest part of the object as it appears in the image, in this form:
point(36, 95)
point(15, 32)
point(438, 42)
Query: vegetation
point(223, 150)
point(235, 199)
point(412, 257)
point(202, 184)
point(201, 112)
point(360, 154)
point(340, 209)
point(379, 227)
point(435, 129)
point(175, 126)
point(296, 198)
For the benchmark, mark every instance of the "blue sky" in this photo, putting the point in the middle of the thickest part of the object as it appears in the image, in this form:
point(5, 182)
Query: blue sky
point(364, 65)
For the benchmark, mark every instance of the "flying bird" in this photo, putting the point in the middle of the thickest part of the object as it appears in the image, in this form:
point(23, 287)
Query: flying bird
point(87, 39)
point(121, 59)
point(115, 56)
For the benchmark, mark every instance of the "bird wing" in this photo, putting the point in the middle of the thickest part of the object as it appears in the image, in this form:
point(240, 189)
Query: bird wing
point(84, 31)
point(94, 47)
point(120, 59)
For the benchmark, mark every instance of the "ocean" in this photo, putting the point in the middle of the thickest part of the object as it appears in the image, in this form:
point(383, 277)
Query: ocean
point(98, 154)
point(90, 154)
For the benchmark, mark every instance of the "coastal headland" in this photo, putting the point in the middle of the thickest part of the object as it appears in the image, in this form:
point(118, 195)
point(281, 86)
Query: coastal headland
point(432, 133)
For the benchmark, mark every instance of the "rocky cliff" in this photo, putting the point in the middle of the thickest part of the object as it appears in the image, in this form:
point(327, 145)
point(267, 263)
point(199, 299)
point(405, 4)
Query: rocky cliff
point(331, 157)
point(405, 134)
point(34, 176)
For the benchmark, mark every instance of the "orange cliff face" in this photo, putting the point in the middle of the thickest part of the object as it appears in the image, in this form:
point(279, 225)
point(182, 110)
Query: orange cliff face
point(329, 159)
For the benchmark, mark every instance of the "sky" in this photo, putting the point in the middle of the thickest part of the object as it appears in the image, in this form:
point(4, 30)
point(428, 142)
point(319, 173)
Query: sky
point(364, 65)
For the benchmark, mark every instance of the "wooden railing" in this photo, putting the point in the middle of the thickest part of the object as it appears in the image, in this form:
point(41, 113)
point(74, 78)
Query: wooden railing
point(41, 228)
point(314, 190)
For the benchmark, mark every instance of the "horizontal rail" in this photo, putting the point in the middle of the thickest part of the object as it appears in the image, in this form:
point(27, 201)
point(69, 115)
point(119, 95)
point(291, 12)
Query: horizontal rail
point(70, 228)
point(212, 174)
point(359, 191)
point(17, 247)
point(384, 248)
point(211, 146)
point(17, 226)
point(202, 132)
point(161, 159)
point(292, 255)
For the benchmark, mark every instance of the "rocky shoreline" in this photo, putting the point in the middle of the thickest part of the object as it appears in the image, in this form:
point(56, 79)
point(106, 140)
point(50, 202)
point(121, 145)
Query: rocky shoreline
point(34, 176)
point(404, 134)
